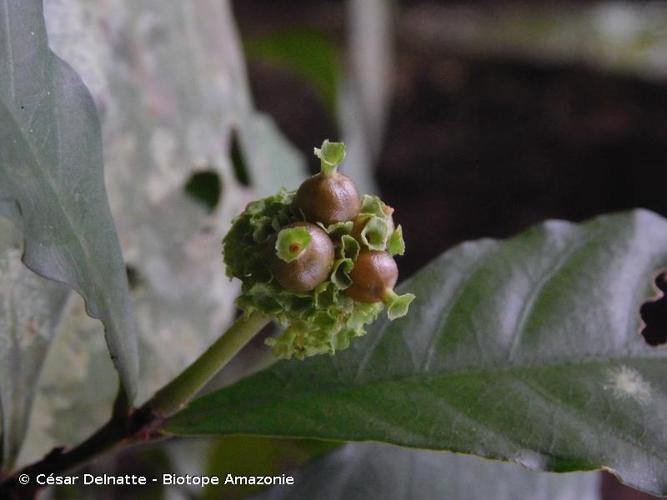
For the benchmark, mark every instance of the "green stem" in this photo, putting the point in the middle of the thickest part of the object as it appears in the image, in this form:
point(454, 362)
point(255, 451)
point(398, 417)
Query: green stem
point(328, 169)
point(176, 394)
point(128, 426)
point(331, 154)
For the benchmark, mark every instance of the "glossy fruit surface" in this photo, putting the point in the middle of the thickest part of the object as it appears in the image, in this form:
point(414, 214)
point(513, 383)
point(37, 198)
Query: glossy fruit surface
point(311, 268)
point(373, 274)
point(328, 198)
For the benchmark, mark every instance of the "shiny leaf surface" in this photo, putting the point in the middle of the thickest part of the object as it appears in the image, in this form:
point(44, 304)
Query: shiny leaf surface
point(525, 350)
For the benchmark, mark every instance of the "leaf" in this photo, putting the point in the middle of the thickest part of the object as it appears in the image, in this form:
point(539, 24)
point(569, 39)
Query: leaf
point(51, 170)
point(76, 386)
point(526, 350)
point(374, 471)
point(30, 308)
point(274, 163)
point(308, 54)
point(251, 456)
point(170, 80)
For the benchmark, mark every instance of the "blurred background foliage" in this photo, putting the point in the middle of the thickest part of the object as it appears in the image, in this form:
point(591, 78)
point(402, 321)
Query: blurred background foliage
point(472, 119)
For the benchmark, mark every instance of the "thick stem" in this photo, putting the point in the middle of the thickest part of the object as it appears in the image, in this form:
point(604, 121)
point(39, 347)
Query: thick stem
point(328, 169)
point(177, 393)
point(113, 434)
point(127, 427)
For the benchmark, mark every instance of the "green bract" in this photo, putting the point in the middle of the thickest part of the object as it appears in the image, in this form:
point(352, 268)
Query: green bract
point(292, 242)
point(331, 154)
point(395, 243)
point(325, 319)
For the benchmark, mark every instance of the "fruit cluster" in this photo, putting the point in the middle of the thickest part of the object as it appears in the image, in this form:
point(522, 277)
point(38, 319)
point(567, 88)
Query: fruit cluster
point(319, 259)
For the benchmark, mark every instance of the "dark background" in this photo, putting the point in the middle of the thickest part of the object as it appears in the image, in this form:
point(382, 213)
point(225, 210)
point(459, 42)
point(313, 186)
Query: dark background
point(481, 145)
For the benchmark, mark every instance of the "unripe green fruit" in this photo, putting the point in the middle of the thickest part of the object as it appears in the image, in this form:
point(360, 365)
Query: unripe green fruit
point(374, 273)
point(328, 198)
point(311, 268)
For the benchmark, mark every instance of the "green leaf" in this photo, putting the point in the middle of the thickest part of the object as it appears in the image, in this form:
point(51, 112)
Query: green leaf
point(375, 471)
point(310, 55)
point(76, 385)
point(524, 350)
point(156, 135)
point(30, 310)
point(273, 161)
point(252, 456)
point(51, 178)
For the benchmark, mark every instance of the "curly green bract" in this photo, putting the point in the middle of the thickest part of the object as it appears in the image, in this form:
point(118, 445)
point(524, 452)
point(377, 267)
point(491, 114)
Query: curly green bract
point(325, 319)
point(321, 321)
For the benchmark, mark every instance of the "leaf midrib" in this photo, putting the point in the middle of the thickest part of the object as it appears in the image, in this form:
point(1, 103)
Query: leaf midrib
point(344, 385)
point(55, 191)
point(341, 388)
point(35, 156)
point(558, 363)
point(56, 195)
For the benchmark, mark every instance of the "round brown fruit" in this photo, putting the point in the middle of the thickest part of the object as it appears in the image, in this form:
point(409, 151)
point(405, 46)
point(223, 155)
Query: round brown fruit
point(328, 198)
point(311, 268)
point(373, 274)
